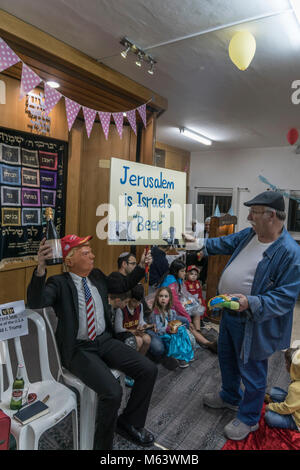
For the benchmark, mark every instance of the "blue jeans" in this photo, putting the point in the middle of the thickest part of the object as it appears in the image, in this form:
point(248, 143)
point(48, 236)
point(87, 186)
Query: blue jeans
point(157, 348)
point(233, 371)
point(276, 420)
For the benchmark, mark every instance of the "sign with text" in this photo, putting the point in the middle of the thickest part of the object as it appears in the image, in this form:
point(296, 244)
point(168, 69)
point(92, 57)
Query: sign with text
point(12, 321)
point(146, 205)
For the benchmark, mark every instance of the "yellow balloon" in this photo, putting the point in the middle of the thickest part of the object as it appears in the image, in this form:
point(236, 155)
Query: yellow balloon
point(242, 49)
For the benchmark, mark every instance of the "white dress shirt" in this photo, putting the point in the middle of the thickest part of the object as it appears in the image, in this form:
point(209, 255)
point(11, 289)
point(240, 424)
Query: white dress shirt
point(98, 308)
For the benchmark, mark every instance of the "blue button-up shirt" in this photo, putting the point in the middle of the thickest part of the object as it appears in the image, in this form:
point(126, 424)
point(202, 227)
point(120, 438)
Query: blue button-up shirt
point(275, 289)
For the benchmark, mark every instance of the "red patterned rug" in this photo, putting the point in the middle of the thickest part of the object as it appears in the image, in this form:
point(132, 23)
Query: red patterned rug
point(266, 438)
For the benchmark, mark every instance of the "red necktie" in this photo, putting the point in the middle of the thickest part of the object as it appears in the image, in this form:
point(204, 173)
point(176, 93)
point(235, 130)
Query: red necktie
point(90, 312)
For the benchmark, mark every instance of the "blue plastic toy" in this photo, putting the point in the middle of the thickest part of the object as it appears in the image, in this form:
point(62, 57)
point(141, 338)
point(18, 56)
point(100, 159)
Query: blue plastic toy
point(224, 301)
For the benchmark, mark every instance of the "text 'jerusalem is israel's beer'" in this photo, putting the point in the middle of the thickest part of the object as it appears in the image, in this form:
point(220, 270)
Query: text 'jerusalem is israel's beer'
point(52, 239)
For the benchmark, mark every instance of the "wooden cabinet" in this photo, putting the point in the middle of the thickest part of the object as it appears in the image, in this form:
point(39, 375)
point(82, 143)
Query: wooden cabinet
point(219, 226)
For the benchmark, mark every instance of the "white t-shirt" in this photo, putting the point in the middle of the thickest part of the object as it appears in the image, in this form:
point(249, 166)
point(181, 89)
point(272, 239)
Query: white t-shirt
point(238, 276)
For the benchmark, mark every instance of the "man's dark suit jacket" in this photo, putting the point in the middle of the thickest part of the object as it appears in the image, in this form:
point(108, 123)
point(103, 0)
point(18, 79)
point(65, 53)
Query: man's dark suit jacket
point(60, 293)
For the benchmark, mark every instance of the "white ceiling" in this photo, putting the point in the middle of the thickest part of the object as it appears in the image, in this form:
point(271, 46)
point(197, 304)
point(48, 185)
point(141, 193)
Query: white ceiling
point(205, 91)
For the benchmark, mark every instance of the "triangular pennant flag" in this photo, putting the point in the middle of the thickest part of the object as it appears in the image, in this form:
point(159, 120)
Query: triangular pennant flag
point(230, 212)
point(52, 97)
point(89, 117)
point(29, 80)
point(132, 119)
point(105, 122)
point(72, 109)
point(7, 56)
point(118, 118)
point(217, 212)
point(142, 111)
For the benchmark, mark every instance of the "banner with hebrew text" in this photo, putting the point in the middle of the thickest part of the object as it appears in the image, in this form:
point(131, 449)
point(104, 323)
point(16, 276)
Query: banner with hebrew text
point(32, 177)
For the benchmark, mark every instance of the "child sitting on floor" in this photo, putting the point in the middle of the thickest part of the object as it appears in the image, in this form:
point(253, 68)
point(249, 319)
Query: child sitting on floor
point(130, 326)
point(162, 316)
point(283, 408)
point(193, 285)
point(129, 321)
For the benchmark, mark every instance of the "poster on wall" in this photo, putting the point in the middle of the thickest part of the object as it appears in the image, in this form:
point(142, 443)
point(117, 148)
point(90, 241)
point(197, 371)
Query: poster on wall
point(33, 171)
point(146, 204)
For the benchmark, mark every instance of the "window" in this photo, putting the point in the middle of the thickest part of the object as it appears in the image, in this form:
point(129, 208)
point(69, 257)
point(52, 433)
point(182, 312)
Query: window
point(222, 199)
point(293, 222)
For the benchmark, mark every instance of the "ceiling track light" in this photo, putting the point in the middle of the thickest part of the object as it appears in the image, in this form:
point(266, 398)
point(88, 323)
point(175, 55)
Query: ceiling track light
point(151, 70)
point(142, 56)
point(139, 59)
point(195, 136)
point(125, 52)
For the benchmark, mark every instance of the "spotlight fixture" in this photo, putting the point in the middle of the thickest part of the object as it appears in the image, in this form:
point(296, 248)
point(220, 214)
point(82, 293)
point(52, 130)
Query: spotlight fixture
point(125, 52)
point(195, 136)
point(142, 56)
point(151, 70)
point(53, 84)
point(139, 59)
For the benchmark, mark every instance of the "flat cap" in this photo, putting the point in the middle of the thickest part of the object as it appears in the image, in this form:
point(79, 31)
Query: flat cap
point(271, 199)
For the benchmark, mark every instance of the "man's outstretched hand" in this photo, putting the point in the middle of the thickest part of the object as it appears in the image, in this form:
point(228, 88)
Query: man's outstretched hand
point(192, 243)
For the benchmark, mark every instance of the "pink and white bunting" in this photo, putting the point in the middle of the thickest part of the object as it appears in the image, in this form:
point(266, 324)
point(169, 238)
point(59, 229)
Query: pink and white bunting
point(105, 122)
point(132, 119)
point(118, 118)
point(29, 80)
point(7, 56)
point(89, 117)
point(142, 112)
point(72, 109)
point(52, 97)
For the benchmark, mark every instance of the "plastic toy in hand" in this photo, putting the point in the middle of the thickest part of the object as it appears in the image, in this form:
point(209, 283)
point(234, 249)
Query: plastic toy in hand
point(224, 301)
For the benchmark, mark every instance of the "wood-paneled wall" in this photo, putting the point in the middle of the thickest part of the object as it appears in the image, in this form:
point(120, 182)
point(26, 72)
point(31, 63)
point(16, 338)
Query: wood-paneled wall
point(15, 277)
point(94, 187)
point(87, 182)
point(12, 114)
point(175, 158)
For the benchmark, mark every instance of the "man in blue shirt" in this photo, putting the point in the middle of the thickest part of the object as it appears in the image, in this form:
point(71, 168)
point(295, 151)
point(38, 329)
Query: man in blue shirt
point(264, 273)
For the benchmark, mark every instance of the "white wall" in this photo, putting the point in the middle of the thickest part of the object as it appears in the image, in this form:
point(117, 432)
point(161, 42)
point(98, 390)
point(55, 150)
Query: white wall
point(241, 169)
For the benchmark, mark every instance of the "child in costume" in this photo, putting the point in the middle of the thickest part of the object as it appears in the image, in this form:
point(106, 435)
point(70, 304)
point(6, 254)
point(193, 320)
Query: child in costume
point(283, 408)
point(183, 300)
point(193, 285)
point(170, 327)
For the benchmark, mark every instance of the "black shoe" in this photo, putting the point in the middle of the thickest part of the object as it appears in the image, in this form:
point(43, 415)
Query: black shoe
point(183, 364)
point(169, 363)
point(139, 436)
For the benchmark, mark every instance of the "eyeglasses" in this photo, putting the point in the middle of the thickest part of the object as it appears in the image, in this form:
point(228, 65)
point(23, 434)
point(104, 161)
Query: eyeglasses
point(132, 262)
point(253, 211)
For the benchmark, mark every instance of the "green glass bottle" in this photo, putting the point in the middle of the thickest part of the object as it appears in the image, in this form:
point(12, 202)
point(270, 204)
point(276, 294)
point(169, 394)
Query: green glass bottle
point(17, 389)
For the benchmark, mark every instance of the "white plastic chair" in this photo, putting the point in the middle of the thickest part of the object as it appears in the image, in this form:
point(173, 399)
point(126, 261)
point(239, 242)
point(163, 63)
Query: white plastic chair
point(62, 400)
point(87, 397)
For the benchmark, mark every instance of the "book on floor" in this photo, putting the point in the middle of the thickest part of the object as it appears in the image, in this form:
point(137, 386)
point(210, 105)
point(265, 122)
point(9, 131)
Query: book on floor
point(29, 413)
